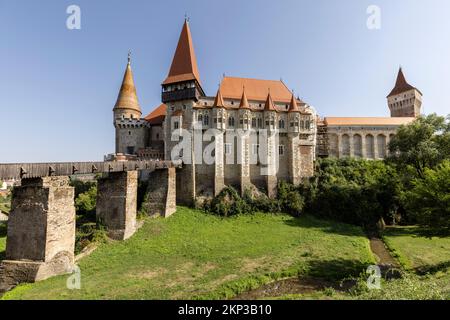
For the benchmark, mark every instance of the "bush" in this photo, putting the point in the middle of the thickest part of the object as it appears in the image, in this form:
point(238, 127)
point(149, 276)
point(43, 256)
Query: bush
point(353, 191)
point(228, 203)
point(86, 202)
point(429, 198)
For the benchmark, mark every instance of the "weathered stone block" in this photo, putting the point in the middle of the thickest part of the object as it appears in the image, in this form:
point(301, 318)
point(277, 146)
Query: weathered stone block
point(41, 231)
point(272, 186)
point(161, 193)
point(117, 203)
point(185, 185)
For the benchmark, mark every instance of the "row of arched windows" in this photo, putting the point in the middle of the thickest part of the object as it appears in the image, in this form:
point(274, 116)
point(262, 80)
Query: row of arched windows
point(256, 122)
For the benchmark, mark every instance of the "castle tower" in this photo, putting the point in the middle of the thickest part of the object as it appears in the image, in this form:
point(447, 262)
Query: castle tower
point(181, 91)
point(131, 131)
point(245, 116)
point(271, 154)
point(404, 100)
point(127, 104)
point(183, 80)
point(294, 141)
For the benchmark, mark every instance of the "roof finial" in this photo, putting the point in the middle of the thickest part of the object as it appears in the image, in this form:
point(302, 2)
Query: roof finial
point(129, 57)
point(186, 17)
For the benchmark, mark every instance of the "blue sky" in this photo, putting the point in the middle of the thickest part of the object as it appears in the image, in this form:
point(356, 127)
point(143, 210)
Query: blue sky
point(58, 86)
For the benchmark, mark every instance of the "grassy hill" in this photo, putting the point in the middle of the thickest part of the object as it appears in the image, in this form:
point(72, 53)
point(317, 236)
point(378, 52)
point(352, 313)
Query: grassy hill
point(196, 255)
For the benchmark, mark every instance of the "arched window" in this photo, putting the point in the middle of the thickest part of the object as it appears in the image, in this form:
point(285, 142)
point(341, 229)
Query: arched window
point(281, 124)
point(345, 145)
point(357, 146)
point(253, 122)
point(231, 121)
point(381, 145)
point(206, 120)
point(370, 147)
point(200, 118)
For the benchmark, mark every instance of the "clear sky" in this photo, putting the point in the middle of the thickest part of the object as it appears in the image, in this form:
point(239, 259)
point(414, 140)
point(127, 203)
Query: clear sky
point(58, 86)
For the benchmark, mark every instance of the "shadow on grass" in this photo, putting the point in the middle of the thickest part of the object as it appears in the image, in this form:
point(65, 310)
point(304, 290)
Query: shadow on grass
point(432, 269)
point(336, 269)
point(325, 226)
point(417, 231)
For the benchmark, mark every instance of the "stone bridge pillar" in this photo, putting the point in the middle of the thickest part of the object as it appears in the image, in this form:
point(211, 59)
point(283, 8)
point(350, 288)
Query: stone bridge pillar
point(117, 203)
point(161, 193)
point(40, 241)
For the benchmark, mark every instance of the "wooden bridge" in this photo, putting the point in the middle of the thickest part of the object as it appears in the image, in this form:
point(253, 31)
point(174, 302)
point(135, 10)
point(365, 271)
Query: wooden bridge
point(39, 170)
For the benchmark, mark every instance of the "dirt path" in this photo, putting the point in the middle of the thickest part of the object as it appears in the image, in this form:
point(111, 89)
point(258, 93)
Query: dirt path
point(390, 269)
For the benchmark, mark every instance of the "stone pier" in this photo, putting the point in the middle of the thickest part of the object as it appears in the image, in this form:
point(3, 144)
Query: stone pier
point(161, 193)
point(117, 203)
point(41, 232)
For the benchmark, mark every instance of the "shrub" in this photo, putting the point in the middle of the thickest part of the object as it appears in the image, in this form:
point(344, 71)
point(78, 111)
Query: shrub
point(228, 203)
point(86, 202)
point(429, 198)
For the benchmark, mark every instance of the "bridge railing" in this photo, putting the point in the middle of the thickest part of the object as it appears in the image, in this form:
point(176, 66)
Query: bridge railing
point(38, 170)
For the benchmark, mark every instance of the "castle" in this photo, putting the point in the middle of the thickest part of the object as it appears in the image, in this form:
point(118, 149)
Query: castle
point(256, 131)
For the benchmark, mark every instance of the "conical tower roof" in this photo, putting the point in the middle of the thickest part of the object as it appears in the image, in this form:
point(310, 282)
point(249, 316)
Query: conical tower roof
point(127, 98)
point(269, 106)
point(293, 106)
point(184, 64)
point(244, 101)
point(401, 85)
point(218, 102)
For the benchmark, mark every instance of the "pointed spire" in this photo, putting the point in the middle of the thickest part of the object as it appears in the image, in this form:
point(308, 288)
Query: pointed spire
point(270, 106)
point(218, 102)
point(244, 101)
point(184, 64)
point(293, 106)
point(127, 98)
point(401, 85)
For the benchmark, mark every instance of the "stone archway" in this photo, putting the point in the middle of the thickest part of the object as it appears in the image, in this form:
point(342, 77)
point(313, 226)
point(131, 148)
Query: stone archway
point(381, 146)
point(357, 146)
point(345, 145)
point(370, 146)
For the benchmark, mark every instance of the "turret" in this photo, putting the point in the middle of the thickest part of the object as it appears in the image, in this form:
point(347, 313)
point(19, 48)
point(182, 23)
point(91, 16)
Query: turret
point(183, 80)
point(131, 130)
point(127, 104)
point(404, 100)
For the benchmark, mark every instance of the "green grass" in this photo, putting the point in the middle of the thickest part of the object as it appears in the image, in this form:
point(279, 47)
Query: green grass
point(195, 255)
point(415, 250)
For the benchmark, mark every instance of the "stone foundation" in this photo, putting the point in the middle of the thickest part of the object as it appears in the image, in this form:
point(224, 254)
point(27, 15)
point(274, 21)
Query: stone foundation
point(117, 204)
point(161, 193)
point(40, 241)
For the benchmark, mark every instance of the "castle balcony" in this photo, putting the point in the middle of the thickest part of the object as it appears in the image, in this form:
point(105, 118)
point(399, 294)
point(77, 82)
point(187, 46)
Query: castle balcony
point(182, 94)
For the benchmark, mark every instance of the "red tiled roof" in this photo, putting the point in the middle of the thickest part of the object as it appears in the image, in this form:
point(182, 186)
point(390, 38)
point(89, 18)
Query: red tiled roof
point(218, 102)
point(256, 89)
point(157, 116)
point(401, 85)
point(184, 64)
point(367, 121)
point(269, 105)
point(244, 101)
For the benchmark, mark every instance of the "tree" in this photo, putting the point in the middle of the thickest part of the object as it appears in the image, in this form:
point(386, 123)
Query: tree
point(429, 199)
point(421, 144)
